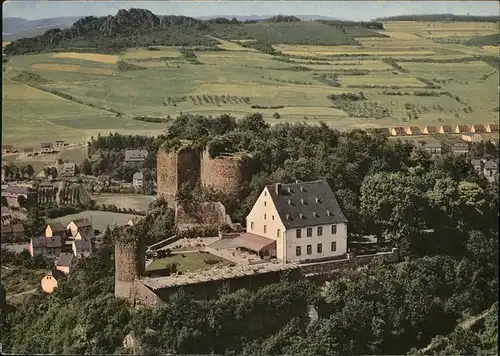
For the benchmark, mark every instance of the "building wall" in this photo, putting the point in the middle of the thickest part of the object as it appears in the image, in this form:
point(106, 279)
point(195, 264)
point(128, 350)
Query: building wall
point(129, 265)
point(48, 284)
point(264, 213)
point(64, 269)
point(326, 239)
point(223, 173)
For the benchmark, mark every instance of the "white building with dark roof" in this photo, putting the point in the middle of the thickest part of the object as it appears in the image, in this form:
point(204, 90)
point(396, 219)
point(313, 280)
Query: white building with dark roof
point(304, 220)
point(135, 155)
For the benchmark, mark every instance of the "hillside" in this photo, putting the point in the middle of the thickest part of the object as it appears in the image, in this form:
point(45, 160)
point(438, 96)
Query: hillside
point(489, 40)
point(440, 17)
point(138, 27)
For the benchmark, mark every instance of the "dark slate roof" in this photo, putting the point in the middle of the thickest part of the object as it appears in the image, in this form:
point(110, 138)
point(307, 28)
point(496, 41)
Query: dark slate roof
point(57, 227)
point(38, 242)
point(56, 274)
point(17, 190)
point(476, 162)
point(65, 259)
point(491, 164)
point(83, 244)
point(458, 146)
point(306, 204)
point(433, 145)
point(54, 241)
point(17, 228)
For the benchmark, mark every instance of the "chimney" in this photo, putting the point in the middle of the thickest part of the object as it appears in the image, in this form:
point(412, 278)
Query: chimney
point(278, 188)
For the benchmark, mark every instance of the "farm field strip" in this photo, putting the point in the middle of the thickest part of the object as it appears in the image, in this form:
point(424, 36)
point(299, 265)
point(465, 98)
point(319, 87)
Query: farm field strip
point(93, 57)
point(71, 68)
point(162, 52)
point(231, 45)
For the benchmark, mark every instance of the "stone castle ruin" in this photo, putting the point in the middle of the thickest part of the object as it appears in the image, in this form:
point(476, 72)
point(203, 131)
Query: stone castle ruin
point(185, 165)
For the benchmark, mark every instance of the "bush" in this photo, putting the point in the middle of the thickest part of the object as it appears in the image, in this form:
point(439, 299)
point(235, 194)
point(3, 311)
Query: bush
point(276, 115)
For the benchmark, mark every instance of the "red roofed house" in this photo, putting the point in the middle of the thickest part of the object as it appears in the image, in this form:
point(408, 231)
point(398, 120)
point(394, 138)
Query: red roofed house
point(490, 128)
point(478, 128)
point(398, 131)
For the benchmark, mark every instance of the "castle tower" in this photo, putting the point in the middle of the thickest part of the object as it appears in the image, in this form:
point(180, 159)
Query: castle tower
point(176, 167)
point(129, 264)
point(224, 173)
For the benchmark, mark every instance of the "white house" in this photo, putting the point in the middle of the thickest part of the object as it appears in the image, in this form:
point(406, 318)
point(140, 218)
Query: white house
point(304, 219)
point(137, 180)
point(79, 224)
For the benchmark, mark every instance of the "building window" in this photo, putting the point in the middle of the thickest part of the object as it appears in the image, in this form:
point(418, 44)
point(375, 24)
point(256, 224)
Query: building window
point(278, 232)
point(320, 231)
point(272, 217)
point(334, 229)
point(265, 229)
point(334, 246)
point(265, 216)
point(309, 231)
point(265, 193)
point(265, 203)
point(298, 233)
point(320, 248)
point(297, 251)
point(309, 249)
point(251, 225)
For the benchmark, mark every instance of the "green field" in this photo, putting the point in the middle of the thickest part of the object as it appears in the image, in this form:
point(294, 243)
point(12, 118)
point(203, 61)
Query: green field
point(125, 201)
point(190, 261)
point(100, 219)
point(233, 80)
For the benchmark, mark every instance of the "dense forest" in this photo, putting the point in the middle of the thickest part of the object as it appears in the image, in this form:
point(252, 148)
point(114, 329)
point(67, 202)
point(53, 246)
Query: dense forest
point(141, 28)
point(442, 215)
point(440, 17)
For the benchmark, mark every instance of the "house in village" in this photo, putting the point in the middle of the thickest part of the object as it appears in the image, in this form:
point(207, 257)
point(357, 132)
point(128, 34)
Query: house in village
point(74, 226)
point(65, 262)
point(137, 180)
point(445, 129)
point(67, 170)
point(55, 229)
point(490, 170)
point(60, 144)
point(460, 148)
point(434, 148)
point(297, 222)
point(13, 232)
point(47, 147)
point(135, 155)
point(29, 152)
point(133, 221)
point(49, 281)
point(398, 131)
point(413, 131)
point(461, 129)
point(429, 130)
point(492, 128)
point(6, 215)
point(472, 137)
point(478, 128)
point(45, 246)
point(13, 193)
point(8, 149)
point(82, 247)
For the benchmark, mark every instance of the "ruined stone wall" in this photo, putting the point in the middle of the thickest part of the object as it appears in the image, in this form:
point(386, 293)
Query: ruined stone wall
point(175, 168)
point(224, 173)
point(203, 215)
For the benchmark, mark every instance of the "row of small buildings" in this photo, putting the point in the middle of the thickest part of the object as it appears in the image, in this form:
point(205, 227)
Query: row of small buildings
point(443, 129)
point(45, 148)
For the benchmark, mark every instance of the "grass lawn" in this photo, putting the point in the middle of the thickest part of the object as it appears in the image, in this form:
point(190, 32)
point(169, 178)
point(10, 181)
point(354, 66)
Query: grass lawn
point(100, 219)
point(190, 262)
point(17, 279)
point(126, 201)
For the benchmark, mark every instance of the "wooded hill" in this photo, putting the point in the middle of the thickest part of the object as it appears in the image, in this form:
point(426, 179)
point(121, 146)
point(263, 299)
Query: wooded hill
point(139, 27)
point(440, 17)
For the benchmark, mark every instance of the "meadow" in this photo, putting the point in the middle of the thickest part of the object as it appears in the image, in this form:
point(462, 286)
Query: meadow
point(82, 94)
point(100, 219)
point(124, 201)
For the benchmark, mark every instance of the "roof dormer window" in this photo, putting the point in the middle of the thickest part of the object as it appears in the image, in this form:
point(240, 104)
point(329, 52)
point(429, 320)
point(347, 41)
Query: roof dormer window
point(315, 215)
point(302, 189)
point(288, 217)
point(329, 213)
point(289, 202)
point(303, 202)
point(289, 190)
point(317, 200)
point(302, 216)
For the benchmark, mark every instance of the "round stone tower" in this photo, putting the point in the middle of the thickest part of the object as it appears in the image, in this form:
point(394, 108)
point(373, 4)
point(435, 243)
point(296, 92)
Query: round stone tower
point(129, 264)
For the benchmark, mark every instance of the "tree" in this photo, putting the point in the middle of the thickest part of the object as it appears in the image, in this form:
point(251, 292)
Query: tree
point(276, 115)
point(22, 201)
point(35, 223)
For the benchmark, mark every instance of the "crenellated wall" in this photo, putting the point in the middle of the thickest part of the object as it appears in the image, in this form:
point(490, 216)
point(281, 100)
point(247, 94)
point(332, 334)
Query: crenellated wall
point(224, 173)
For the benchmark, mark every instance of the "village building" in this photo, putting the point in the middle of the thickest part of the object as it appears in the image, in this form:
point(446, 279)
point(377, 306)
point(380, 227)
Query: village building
point(429, 130)
point(461, 129)
point(135, 155)
point(133, 221)
point(65, 262)
point(478, 128)
point(75, 226)
point(299, 221)
point(460, 148)
point(444, 129)
point(49, 281)
point(8, 149)
point(13, 232)
point(490, 170)
point(67, 170)
point(433, 148)
point(55, 229)
point(398, 131)
point(472, 137)
point(29, 152)
point(60, 144)
point(13, 193)
point(82, 248)
point(492, 128)
point(46, 147)
point(413, 131)
point(45, 246)
point(6, 215)
point(137, 180)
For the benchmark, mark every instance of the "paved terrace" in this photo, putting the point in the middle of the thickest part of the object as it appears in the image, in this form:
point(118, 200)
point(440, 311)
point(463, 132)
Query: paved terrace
point(216, 273)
